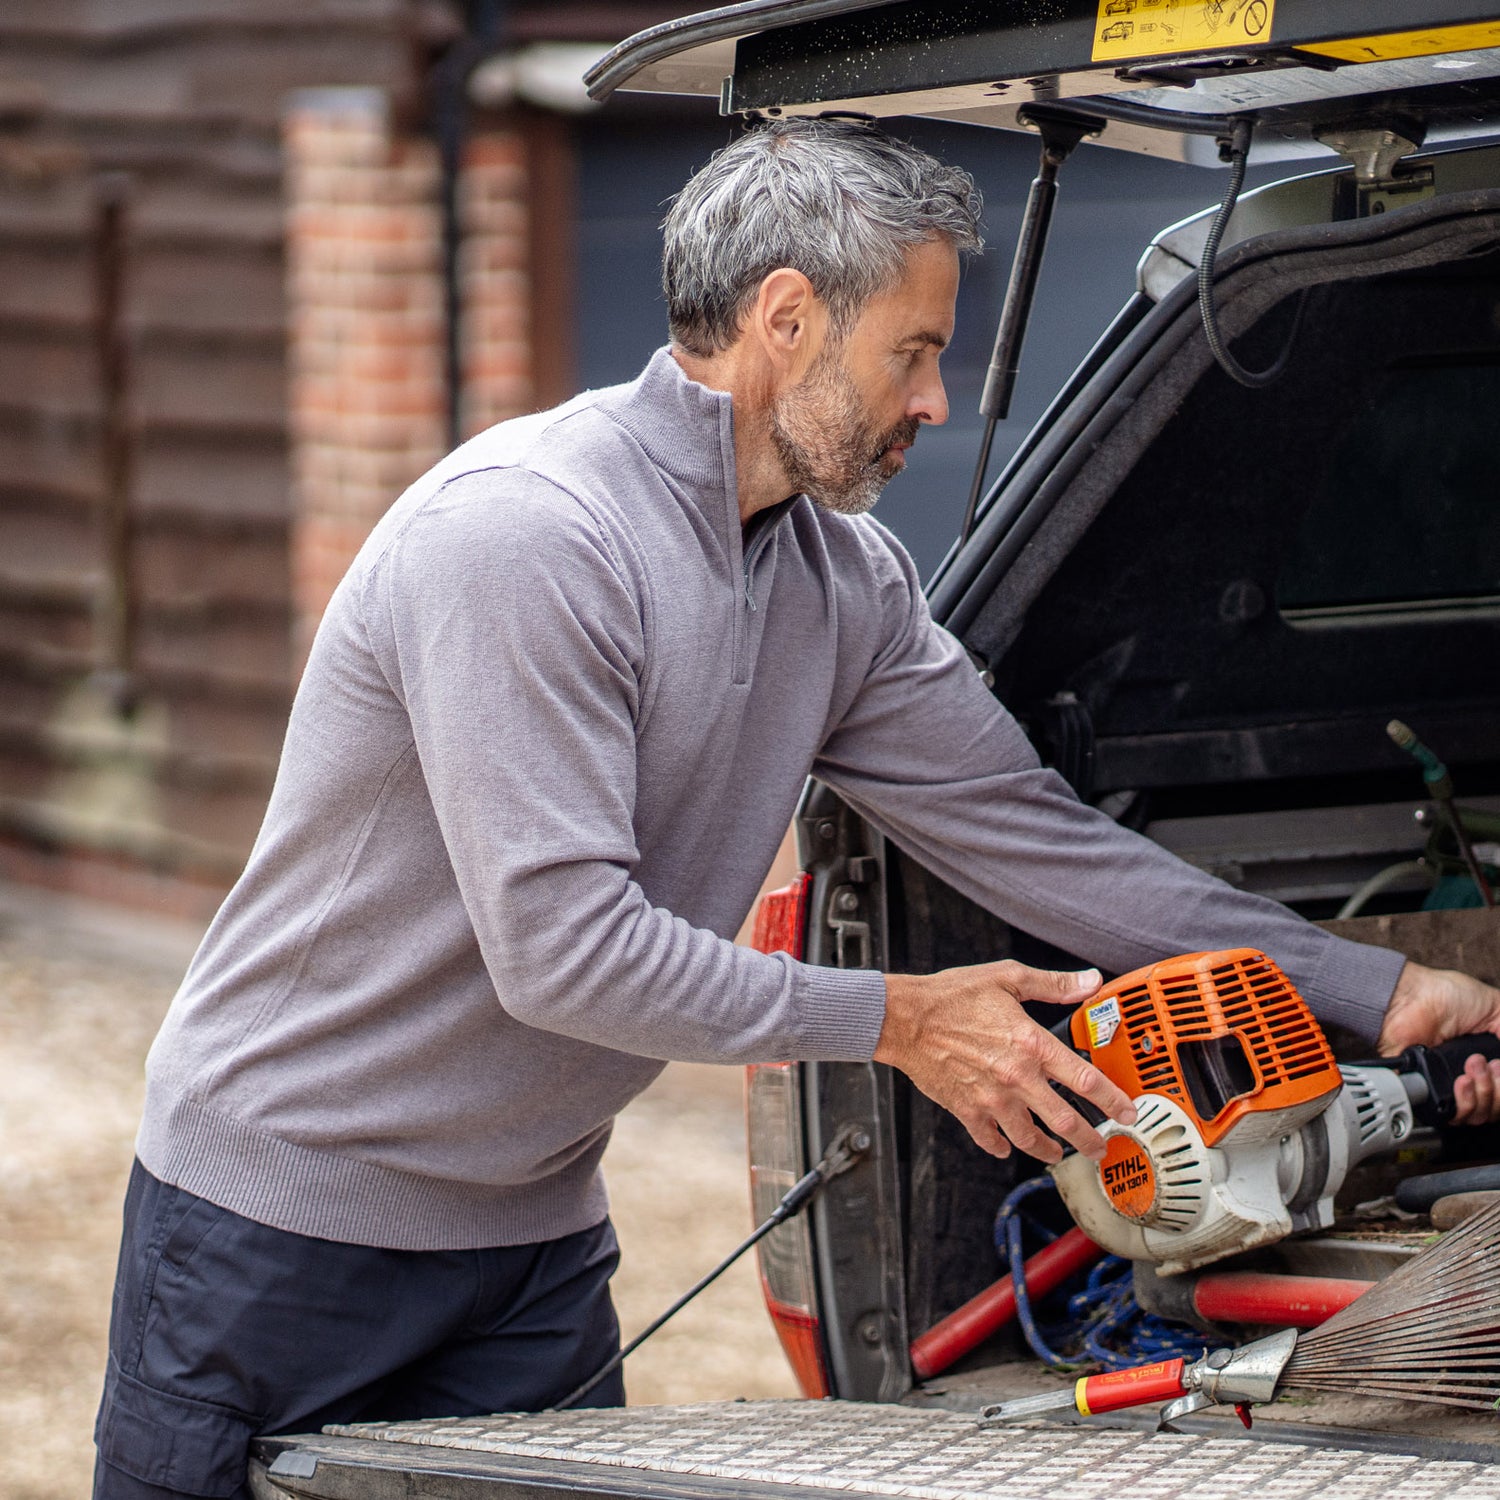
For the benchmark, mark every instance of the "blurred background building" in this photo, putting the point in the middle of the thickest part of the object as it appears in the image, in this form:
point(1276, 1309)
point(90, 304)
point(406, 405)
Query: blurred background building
point(260, 262)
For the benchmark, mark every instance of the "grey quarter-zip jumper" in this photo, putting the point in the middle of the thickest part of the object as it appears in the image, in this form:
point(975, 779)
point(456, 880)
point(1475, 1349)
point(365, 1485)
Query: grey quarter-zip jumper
point(551, 730)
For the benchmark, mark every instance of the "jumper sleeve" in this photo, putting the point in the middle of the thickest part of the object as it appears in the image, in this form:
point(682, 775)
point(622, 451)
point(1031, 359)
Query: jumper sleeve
point(512, 633)
point(928, 755)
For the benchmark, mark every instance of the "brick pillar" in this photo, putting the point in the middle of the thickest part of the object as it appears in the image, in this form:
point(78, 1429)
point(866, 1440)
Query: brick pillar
point(365, 321)
point(498, 369)
point(364, 251)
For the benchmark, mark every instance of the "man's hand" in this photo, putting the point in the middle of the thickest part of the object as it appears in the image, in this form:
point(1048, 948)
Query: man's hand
point(1434, 1005)
point(963, 1039)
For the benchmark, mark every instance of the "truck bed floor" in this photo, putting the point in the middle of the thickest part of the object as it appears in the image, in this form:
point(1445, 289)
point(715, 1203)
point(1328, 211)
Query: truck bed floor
point(752, 1450)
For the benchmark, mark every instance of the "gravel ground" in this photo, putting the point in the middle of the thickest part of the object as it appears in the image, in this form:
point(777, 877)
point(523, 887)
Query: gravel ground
point(82, 990)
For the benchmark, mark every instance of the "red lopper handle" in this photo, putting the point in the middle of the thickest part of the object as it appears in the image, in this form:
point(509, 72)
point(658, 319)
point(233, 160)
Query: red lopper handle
point(1145, 1385)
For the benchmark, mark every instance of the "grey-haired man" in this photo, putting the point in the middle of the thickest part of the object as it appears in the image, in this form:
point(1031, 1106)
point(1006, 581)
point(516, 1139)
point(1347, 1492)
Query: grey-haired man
point(553, 725)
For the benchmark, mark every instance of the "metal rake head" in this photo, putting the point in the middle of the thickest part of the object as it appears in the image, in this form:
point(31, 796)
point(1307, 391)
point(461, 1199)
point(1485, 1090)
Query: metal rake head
point(1429, 1332)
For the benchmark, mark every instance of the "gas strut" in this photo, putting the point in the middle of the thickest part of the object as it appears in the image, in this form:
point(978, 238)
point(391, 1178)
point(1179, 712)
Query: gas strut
point(849, 1146)
point(1060, 133)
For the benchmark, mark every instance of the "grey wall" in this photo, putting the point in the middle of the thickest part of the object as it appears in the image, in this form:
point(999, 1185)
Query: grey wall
point(1109, 207)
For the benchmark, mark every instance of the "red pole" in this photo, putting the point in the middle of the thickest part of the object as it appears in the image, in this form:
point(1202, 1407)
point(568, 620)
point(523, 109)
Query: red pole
point(1145, 1385)
point(995, 1306)
point(1285, 1301)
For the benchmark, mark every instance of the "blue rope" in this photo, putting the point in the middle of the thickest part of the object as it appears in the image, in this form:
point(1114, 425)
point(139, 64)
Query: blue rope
point(1103, 1324)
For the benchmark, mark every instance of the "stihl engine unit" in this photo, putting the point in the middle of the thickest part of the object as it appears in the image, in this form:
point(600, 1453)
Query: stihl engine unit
point(1246, 1126)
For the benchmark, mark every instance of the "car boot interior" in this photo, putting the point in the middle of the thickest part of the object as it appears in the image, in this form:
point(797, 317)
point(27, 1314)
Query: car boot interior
point(1213, 623)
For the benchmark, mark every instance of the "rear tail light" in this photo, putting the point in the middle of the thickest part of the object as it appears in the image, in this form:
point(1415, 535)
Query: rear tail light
point(781, 919)
point(774, 1127)
point(773, 1093)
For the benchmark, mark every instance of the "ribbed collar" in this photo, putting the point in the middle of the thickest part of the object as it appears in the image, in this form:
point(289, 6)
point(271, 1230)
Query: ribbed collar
point(686, 429)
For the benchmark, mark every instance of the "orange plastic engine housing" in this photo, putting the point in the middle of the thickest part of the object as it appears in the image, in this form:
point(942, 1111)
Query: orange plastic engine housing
point(1223, 1035)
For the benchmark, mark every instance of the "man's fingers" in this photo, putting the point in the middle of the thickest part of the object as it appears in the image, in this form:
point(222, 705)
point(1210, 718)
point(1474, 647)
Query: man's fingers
point(1478, 1070)
point(1072, 1127)
point(1051, 986)
point(1084, 1079)
point(1475, 1092)
point(1023, 1132)
point(986, 1135)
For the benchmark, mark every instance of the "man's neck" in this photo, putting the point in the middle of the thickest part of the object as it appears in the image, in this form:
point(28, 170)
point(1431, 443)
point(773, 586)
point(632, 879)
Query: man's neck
point(760, 479)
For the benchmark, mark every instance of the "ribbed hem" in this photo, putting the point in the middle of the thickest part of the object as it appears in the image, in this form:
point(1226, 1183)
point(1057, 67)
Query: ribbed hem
point(187, 1145)
point(1353, 985)
point(845, 1010)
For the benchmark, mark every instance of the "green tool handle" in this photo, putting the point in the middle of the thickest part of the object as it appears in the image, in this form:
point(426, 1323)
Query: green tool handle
point(1440, 783)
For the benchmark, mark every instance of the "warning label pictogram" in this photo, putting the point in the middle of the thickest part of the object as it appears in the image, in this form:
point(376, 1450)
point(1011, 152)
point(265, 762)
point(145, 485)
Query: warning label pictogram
point(1103, 1022)
point(1153, 28)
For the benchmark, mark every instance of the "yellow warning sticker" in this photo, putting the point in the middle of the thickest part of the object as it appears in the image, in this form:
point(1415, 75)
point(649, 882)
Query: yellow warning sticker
point(1152, 28)
point(1411, 43)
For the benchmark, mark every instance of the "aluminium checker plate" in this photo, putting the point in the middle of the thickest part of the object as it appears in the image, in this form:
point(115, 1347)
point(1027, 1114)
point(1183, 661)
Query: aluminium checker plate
point(744, 1449)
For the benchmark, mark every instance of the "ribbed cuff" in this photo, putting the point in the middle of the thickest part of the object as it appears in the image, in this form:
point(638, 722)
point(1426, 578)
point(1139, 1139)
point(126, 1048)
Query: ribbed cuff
point(843, 1010)
point(1353, 985)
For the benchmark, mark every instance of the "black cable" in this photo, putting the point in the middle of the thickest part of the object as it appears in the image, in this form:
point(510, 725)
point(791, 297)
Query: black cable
point(1239, 155)
point(848, 1147)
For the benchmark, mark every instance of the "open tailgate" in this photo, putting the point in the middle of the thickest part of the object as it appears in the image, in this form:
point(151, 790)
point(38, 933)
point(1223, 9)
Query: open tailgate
point(1160, 75)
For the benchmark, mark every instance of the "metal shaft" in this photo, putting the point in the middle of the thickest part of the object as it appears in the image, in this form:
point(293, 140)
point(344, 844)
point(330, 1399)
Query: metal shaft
point(849, 1146)
point(1028, 1406)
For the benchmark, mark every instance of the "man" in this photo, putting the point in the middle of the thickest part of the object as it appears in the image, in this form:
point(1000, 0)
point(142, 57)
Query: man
point(553, 725)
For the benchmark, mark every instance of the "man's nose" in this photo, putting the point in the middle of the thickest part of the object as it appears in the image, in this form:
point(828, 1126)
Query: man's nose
point(930, 403)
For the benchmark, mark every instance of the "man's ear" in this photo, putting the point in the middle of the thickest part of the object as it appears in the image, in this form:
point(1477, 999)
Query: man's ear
point(789, 321)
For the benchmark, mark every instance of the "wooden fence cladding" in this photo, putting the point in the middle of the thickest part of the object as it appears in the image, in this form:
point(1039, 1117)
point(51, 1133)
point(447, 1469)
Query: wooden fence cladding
point(222, 355)
point(146, 651)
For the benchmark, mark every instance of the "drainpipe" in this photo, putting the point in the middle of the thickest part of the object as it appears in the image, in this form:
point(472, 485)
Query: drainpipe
point(116, 610)
point(450, 95)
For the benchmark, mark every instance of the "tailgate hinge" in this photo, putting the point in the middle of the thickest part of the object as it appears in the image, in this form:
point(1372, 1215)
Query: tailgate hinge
point(1381, 182)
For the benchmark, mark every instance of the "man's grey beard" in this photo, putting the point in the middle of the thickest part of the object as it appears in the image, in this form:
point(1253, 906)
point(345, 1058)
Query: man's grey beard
point(831, 450)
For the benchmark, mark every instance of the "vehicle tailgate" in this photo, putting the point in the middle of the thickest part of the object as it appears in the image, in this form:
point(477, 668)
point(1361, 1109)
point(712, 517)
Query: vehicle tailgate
point(745, 1449)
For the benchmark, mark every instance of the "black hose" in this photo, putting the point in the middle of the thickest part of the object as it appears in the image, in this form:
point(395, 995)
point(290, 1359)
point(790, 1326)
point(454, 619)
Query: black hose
point(1417, 1194)
point(1239, 155)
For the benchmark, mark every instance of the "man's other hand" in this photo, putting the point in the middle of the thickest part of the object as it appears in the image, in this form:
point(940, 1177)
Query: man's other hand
point(962, 1037)
point(1434, 1005)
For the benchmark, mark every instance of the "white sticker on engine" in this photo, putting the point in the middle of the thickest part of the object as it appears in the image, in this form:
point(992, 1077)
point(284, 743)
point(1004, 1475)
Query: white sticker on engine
point(1104, 1021)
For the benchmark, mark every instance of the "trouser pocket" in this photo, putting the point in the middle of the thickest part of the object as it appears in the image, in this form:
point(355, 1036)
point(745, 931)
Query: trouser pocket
point(193, 1447)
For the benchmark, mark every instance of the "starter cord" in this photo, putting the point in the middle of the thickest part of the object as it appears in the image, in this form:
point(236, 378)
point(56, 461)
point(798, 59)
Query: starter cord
point(849, 1146)
point(1239, 155)
point(1103, 1324)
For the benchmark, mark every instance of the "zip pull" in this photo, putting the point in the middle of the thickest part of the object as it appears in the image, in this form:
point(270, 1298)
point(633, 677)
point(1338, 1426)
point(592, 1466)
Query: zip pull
point(749, 590)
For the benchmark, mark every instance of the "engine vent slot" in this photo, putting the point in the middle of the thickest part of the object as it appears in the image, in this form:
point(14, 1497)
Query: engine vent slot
point(1216, 1072)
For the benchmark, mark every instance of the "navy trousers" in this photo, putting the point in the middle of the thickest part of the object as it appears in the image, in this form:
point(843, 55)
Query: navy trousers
point(223, 1329)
